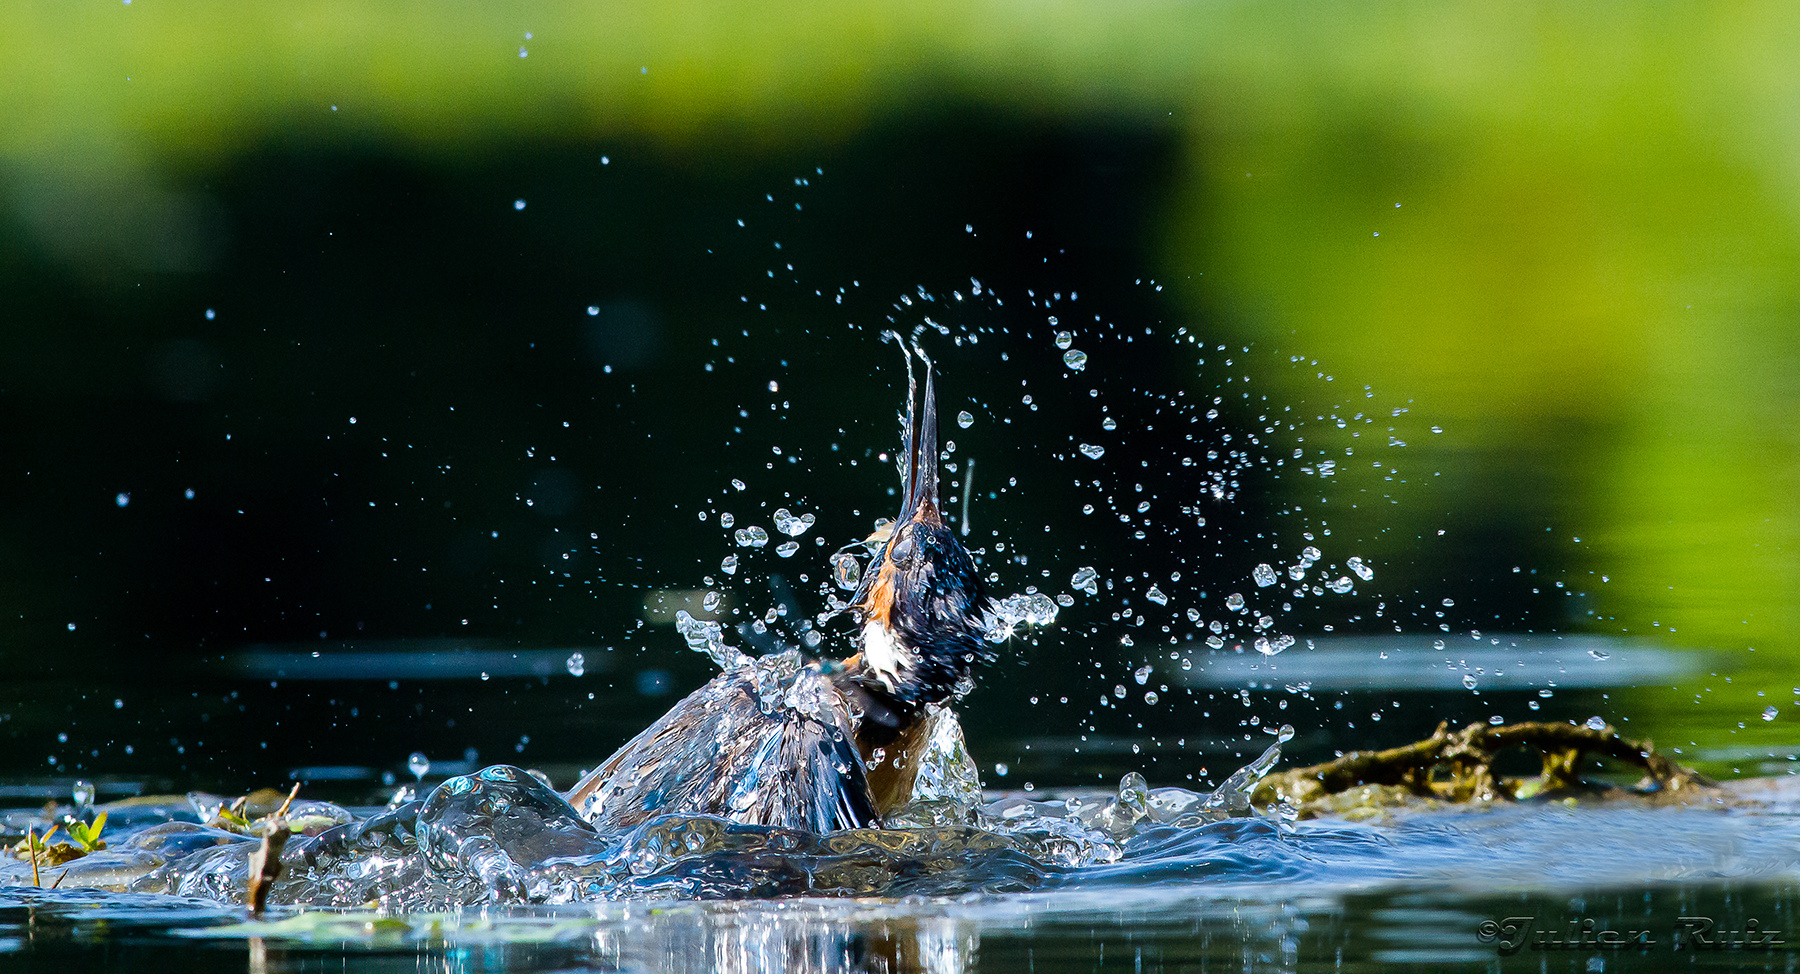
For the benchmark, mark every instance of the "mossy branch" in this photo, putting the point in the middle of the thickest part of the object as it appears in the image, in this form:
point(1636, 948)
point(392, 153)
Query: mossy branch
point(1459, 766)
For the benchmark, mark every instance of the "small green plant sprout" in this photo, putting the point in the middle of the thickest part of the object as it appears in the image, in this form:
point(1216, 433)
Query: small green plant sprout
point(86, 835)
point(231, 817)
point(38, 849)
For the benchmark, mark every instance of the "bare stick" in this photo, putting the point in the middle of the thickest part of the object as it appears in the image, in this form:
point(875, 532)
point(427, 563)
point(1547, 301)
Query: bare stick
point(265, 863)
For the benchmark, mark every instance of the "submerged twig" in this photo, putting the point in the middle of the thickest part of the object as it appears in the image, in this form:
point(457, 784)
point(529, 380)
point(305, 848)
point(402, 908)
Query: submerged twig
point(1458, 767)
point(265, 864)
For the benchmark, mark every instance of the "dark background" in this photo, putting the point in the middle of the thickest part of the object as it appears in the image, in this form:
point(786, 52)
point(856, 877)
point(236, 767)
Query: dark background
point(1525, 278)
point(405, 432)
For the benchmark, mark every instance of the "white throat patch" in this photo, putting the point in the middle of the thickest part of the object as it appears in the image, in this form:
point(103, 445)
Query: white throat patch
point(884, 654)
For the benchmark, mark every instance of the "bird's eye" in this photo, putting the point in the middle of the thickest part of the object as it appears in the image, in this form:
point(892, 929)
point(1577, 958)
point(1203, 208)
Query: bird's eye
point(903, 548)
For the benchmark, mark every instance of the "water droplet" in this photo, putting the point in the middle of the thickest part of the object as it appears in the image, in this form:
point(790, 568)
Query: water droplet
point(83, 793)
point(71, 627)
point(1769, 713)
point(1468, 681)
point(1063, 338)
point(1309, 554)
point(418, 764)
point(1001, 770)
point(793, 526)
point(1496, 720)
point(1035, 609)
point(1151, 698)
point(1085, 579)
point(730, 565)
point(1119, 690)
point(1156, 595)
point(122, 499)
point(710, 602)
point(751, 537)
point(1595, 723)
point(787, 550)
point(1109, 423)
point(964, 419)
point(737, 484)
point(1599, 654)
point(846, 571)
point(1142, 674)
point(1075, 359)
point(519, 204)
point(726, 519)
point(576, 664)
point(1264, 576)
point(1091, 451)
point(1356, 565)
point(1234, 601)
point(1449, 602)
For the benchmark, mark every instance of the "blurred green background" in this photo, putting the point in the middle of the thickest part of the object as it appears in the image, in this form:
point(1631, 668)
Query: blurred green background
point(1567, 235)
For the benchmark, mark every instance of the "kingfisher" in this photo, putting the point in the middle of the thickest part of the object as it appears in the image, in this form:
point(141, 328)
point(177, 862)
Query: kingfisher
point(922, 610)
point(823, 745)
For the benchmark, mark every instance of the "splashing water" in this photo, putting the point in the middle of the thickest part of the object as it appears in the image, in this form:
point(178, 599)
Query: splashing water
point(708, 637)
point(1086, 580)
point(792, 526)
point(1036, 609)
point(846, 571)
point(503, 835)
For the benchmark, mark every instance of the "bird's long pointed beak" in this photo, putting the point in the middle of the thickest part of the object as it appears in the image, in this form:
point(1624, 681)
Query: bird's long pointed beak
point(921, 445)
point(910, 447)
